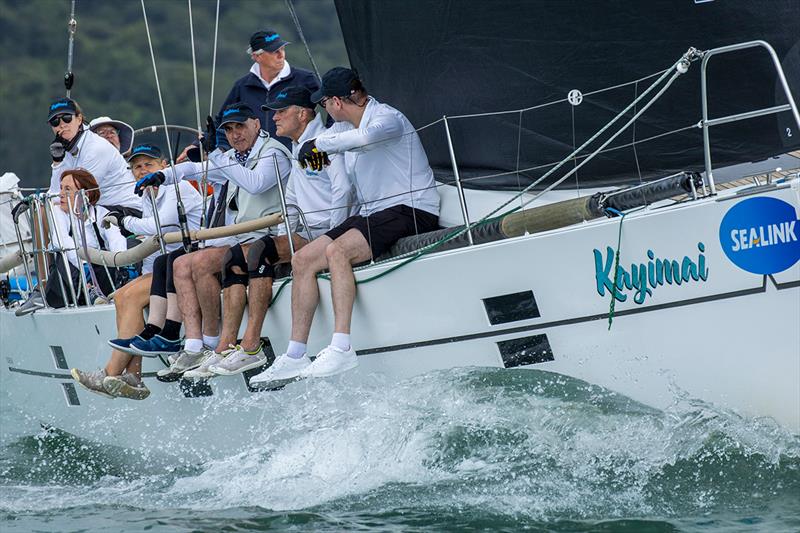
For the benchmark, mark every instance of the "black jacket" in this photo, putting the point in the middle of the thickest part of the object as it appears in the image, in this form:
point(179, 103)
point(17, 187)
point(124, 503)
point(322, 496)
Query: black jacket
point(249, 90)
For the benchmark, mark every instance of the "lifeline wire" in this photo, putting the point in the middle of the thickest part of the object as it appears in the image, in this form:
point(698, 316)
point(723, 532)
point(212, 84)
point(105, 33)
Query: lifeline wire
point(296, 20)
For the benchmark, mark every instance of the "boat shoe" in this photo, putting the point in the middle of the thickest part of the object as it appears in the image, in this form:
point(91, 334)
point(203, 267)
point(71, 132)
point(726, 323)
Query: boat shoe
point(124, 345)
point(126, 386)
point(202, 371)
point(240, 360)
point(31, 305)
point(329, 362)
point(154, 347)
point(186, 361)
point(283, 370)
point(91, 381)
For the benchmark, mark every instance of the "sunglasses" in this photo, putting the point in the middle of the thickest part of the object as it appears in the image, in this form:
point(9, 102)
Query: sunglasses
point(56, 120)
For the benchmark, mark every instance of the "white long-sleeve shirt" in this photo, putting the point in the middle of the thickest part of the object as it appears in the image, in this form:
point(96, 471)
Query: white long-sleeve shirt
point(326, 198)
point(106, 164)
point(60, 236)
point(385, 160)
point(167, 204)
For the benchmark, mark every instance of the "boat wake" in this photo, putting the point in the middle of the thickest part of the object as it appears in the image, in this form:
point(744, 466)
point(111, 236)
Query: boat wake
point(457, 448)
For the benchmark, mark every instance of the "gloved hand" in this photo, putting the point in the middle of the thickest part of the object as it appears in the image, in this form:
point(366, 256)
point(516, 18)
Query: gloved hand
point(20, 208)
point(151, 180)
point(209, 138)
point(193, 154)
point(116, 218)
point(58, 149)
point(310, 156)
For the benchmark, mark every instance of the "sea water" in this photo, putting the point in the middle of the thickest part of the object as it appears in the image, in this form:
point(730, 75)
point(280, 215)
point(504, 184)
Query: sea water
point(464, 449)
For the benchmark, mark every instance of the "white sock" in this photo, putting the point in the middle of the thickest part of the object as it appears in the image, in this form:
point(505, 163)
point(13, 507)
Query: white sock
point(296, 350)
point(210, 341)
point(193, 345)
point(341, 341)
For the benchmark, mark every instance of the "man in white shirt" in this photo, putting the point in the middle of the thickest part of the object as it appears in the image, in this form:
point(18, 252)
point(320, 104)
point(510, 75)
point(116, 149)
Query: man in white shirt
point(385, 160)
point(324, 197)
point(247, 179)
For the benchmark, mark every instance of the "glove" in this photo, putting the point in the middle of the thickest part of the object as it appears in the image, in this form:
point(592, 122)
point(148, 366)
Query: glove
point(209, 138)
point(193, 154)
point(151, 180)
point(20, 208)
point(310, 156)
point(58, 149)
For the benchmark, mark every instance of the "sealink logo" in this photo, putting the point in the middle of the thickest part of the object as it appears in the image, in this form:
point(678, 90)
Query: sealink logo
point(759, 235)
point(643, 278)
point(281, 95)
point(230, 111)
point(271, 38)
point(58, 104)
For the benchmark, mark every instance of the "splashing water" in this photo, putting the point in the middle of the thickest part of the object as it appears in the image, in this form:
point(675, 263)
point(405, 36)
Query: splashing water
point(466, 448)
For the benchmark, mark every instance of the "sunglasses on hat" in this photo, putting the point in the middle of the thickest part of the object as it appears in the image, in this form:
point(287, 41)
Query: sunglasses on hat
point(56, 120)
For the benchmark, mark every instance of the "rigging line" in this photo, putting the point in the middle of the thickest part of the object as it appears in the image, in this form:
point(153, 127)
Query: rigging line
point(72, 26)
point(203, 179)
point(575, 154)
point(296, 21)
point(181, 209)
point(635, 152)
point(519, 145)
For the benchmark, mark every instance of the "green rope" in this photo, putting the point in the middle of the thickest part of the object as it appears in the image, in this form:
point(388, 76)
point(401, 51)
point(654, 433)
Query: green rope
point(616, 267)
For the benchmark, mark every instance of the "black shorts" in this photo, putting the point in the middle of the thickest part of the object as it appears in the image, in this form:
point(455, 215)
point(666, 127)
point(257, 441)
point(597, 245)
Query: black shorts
point(384, 228)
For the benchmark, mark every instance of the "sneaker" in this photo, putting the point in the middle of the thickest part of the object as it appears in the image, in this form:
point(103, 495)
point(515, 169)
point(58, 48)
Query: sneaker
point(126, 386)
point(202, 371)
point(96, 297)
point(239, 361)
point(284, 369)
point(31, 305)
point(91, 381)
point(329, 362)
point(154, 347)
point(185, 361)
point(124, 345)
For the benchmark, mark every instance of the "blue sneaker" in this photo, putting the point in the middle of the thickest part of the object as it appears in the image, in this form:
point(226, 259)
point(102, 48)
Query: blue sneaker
point(154, 347)
point(124, 345)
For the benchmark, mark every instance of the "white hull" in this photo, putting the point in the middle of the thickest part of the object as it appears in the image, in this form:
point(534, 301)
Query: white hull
point(732, 340)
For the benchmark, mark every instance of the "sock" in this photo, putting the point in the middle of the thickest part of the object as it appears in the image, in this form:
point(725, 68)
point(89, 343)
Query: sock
point(341, 341)
point(171, 330)
point(149, 331)
point(211, 341)
point(193, 345)
point(296, 350)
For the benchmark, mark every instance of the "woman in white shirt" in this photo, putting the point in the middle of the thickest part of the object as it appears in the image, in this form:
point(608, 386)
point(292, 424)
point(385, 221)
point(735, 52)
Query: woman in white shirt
point(92, 234)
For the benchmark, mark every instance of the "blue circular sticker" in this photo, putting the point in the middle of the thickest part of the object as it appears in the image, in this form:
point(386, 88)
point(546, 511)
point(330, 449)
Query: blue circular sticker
point(759, 235)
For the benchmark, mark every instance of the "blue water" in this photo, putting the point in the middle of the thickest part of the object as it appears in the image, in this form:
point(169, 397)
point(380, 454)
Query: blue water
point(468, 449)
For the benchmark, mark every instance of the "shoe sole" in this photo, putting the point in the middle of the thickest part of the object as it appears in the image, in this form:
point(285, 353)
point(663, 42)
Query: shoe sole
point(222, 372)
point(135, 351)
point(175, 376)
point(275, 384)
point(197, 376)
point(74, 374)
point(126, 349)
point(350, 366)
point(120, 389)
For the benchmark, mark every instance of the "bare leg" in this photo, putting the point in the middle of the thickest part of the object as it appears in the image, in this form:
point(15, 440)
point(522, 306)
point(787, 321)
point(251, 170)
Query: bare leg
point(342, 253)
point(130, 301)
point(158, 311)
point(187, 297)
point(198, 290)
point(305, 291)
point(233, 298)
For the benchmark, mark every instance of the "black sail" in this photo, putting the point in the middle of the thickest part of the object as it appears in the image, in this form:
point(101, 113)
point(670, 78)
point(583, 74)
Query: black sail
point(431, 58)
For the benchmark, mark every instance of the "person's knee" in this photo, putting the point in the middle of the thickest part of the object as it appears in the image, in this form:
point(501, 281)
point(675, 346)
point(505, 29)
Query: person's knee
point(261, 257)
point(334, 253)
point(233, 267)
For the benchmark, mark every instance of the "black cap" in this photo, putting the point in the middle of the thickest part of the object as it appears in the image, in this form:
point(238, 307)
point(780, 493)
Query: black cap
point(238, 112)
point(290, 96)
point(338, 81)
point(150, 150)
point(267, 40)
point(62, 106)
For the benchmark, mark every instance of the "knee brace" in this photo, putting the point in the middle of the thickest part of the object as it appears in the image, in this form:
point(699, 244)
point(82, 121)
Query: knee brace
point(260, 258)
point(234, 257)
point(158, 287)
point(171, 257)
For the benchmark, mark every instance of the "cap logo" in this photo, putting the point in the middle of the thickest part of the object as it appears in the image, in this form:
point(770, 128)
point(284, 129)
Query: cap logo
point(271, 38)
point(281, 95)
point(231, 111)
point(142, 148)
point(59, 104)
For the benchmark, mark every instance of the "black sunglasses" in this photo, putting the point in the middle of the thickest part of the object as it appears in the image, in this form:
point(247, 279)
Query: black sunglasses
point(56, 120)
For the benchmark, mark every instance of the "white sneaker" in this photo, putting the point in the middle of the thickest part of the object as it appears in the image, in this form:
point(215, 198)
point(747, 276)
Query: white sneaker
point(203, 372)
point(329, 362)
point(284, 368)
point(239, 361)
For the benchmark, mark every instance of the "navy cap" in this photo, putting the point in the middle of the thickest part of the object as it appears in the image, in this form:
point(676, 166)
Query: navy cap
point(266, 40)
point(62, 106)
point(338, 81)
point(150, 150)
point(290, 96)
point(238, 112)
